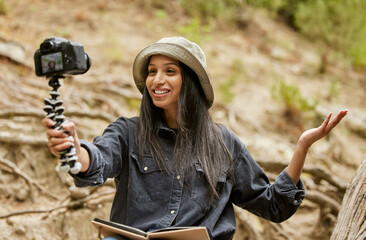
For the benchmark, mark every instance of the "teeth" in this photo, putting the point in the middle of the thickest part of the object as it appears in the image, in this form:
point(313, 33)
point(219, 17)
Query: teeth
point(160, 91)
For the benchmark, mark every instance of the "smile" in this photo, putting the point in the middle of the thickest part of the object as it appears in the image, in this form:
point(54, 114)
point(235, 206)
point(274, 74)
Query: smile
point(161, 91)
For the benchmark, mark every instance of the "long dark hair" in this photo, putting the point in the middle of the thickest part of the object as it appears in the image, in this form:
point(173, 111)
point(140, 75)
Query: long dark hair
point(199, 138)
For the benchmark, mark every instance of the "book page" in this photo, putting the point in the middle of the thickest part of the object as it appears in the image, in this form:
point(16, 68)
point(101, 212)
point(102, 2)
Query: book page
point(107, 228)
point(185, 233)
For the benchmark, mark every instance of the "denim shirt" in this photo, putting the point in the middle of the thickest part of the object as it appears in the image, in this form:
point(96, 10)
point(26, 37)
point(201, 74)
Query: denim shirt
point(149, 198)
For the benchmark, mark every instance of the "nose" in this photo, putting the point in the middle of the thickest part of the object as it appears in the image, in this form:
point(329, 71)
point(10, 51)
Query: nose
point(159, 78)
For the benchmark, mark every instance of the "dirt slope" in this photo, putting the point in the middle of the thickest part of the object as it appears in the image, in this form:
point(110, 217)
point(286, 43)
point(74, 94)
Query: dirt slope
point(256, 57)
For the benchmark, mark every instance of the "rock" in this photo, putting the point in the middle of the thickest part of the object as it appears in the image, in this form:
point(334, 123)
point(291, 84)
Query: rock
point(278, 53)
point(22, 194)
point(78, 193)
point(20, 230)
point(12, 51)
point(5, 191)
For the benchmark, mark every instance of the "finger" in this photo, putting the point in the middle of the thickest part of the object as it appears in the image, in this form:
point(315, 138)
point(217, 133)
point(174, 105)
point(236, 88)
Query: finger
point(48, 123)
point(54, 141)
point(326, 121)
point(52, 133)
point(70, 127)
point(60, 147)
point(337, 119)
point(56, 145)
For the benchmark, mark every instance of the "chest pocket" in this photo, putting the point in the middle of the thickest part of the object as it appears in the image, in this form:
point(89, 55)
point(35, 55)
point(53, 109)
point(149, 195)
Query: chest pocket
point(200, 188)
point(147, 179)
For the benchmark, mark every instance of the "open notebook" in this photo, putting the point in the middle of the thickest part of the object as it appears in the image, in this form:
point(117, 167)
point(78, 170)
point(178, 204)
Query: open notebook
point(106, 228)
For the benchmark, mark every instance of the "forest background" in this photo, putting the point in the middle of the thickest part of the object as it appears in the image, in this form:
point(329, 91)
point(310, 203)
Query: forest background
point(277, 68)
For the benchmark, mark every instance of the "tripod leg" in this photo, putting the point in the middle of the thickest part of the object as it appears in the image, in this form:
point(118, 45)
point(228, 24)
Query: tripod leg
point(54, 109)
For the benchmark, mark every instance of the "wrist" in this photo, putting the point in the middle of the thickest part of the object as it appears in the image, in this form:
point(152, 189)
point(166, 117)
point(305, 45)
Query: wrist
point(84, 159)
point(301, 145)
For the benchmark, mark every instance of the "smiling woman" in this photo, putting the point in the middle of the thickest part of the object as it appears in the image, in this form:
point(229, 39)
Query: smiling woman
point(164, 82)
point(185, 168)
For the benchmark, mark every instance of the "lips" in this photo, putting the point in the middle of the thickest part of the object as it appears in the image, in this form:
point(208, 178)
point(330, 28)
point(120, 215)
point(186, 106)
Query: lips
point(160, 92)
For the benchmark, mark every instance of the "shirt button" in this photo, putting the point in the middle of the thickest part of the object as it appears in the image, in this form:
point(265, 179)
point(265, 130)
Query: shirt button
point(146, 168)
point(178, 177)
point(295, 201)
point(172, 211)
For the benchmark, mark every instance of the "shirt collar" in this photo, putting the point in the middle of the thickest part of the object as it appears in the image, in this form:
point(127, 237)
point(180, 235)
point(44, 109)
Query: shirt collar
point(164, 130)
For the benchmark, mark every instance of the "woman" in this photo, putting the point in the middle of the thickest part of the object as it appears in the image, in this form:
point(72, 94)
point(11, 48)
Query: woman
point(173, 166)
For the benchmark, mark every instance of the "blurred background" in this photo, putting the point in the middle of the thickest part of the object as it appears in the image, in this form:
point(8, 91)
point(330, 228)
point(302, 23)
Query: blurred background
point(278, 67)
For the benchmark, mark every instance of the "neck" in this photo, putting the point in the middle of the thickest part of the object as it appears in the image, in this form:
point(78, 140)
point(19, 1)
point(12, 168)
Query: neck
point(170, 117)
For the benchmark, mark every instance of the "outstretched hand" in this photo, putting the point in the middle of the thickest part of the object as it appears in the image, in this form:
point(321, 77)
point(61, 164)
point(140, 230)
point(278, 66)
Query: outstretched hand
point(309, 137)
point(59, 140)
point(312, 135)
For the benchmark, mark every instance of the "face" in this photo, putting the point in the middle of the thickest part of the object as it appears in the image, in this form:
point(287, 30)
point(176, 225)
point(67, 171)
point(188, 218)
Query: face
point(164, 82)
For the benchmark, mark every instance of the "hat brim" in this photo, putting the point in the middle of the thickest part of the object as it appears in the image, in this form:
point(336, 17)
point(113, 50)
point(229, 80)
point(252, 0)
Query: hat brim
point(140, 66)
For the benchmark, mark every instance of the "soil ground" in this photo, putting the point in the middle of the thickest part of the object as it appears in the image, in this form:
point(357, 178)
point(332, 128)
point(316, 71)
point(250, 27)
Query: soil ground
point(248, 61)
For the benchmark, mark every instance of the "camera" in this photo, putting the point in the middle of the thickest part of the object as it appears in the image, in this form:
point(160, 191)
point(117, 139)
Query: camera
point(58, 56)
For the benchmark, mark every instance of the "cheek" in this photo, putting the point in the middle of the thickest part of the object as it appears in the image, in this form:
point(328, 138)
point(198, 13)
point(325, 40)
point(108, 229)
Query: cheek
point(179, 85)
point(148, 83)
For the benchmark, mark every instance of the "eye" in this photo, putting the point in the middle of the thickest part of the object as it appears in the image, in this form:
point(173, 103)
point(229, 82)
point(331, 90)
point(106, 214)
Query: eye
point(170, 71)
point(151, 71)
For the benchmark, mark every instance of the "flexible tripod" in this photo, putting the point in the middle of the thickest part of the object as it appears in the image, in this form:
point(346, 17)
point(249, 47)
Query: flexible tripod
point(54, 110)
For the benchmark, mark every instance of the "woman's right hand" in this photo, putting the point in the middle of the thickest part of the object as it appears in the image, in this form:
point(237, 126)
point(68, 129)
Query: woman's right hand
point(58, 140)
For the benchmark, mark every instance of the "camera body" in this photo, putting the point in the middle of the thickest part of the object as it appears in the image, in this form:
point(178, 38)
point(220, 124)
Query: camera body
point(58, 56)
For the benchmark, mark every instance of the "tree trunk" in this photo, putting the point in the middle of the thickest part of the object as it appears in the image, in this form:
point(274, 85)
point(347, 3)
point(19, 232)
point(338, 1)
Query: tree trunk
point(351, 223)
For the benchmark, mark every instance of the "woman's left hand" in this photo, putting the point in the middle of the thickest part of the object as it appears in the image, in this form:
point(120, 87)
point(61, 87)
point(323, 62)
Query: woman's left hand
point(312, 135)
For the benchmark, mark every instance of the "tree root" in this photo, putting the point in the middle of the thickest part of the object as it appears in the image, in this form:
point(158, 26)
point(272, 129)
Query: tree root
point(69, 205)
point(323, 200)
point(317, 173)
point(28, 179)
point(40, 114)
point(246, 225)
point(21, 139)
point(233, 117)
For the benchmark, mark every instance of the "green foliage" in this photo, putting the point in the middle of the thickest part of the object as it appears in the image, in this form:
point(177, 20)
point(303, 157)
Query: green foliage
point(290, 95)
point(161, 14)
point(113, 52)
point(205, 15)
point(133, 103)
point(357, 49)
point(195, 31)
point(338, 23)
point(272, 5)
point(3, 8)
point(207, 11)
point(226, 88)
point(237, 65)
point(333, 90)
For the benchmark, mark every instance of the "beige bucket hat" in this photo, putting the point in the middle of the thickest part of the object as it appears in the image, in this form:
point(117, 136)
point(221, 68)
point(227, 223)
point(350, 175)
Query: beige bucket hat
point(180, 49)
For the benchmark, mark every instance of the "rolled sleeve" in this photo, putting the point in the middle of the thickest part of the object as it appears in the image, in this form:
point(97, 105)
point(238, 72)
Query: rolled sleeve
point(253, 191)
point(94, 175)
point(290, 192)
point(106, 153)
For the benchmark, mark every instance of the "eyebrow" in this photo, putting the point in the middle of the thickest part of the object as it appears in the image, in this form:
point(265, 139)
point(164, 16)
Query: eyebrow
point(166, 64)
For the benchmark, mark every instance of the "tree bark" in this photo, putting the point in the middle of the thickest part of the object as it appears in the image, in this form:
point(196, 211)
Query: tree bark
point(351, 223)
